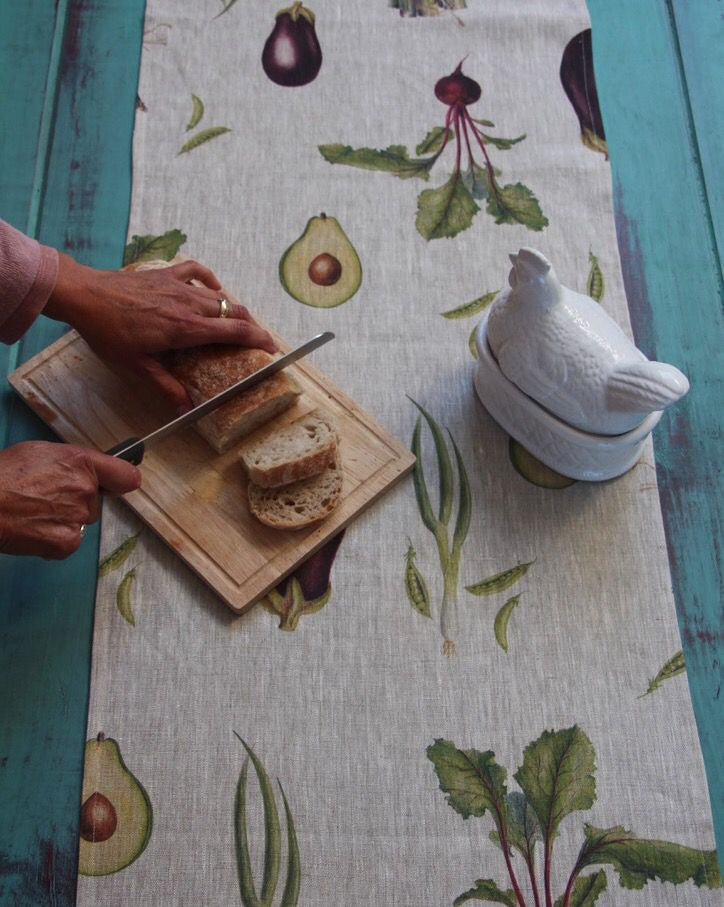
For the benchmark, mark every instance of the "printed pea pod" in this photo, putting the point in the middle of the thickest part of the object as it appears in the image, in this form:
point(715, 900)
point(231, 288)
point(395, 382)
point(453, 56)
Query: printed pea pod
point(415, 584)
point(203, 136)
point(471, 308)
point(123, 597)
point(500, 626)
point(673, 667)
point(118, 556)
point(594, 284)
point(197, 112)
point(500, 581)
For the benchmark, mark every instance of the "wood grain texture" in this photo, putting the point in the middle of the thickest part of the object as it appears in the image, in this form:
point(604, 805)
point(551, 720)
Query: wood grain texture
point(194, 498)
point(672, 272)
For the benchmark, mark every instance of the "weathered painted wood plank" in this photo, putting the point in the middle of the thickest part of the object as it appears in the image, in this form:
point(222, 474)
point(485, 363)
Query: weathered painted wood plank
point(700, 30)
point(673, 282)
point(77, 199)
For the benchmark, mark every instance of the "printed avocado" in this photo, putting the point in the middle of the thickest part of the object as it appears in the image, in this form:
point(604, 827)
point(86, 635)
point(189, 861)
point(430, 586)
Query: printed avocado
point(115, 816)
point(321, 268)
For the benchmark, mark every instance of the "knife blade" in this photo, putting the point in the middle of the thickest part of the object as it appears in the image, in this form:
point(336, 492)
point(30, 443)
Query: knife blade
point(133, 449)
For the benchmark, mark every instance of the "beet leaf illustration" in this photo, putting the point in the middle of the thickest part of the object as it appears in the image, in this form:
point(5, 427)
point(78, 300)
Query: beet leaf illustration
point(556, 779)
point(272, 843)
point(149, 247)
point(450, 208)
point(449, 549)
point(306, 590)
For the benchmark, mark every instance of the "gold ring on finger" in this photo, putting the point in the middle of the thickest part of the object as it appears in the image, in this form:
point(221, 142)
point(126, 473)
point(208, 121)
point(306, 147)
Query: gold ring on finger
point(224, 307)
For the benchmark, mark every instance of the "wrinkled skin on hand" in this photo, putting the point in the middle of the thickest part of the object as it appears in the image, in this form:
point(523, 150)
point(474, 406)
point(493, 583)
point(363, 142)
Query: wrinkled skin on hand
point(49, 490)
point(129, 317)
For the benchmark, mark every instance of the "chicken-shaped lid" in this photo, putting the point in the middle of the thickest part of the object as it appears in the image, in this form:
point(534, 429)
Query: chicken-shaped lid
point(562, 349)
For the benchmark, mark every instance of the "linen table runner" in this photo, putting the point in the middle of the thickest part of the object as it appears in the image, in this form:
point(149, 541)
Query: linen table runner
point(476, 693)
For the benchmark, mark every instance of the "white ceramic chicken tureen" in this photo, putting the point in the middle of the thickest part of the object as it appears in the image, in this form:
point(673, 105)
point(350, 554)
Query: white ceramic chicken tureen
point(562, 377)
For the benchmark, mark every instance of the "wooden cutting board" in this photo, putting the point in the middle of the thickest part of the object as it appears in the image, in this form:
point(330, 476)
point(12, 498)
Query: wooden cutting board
point(194, 498)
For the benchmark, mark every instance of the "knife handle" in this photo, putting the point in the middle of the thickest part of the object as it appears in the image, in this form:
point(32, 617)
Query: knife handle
point(130, 450)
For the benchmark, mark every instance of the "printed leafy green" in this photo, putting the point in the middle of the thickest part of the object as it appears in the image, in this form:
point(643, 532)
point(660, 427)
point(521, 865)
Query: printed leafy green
point(557, 776)
point(449, 209)
point(272, 841)
point(522, 826)
point(393, 159)
point(516, 204)
point(473, 781)
point(487, 890)
point(445, 211)
point(585, 891)
point(638, 861)
point(502, 144)
point(475, 179)
point(434, 140)
point(449, 551)
point(147, 248)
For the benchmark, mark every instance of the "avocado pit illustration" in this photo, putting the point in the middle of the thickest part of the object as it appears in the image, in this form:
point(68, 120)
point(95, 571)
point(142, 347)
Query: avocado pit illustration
point(325, 270)
point(98, 818)
point(321, 268)
point(116, 815)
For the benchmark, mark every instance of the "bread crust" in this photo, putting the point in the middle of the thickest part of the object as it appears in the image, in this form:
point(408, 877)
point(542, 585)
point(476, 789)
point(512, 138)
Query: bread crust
point(280, 507)
point(291, 467)
point(207, 370)
point(286, 473)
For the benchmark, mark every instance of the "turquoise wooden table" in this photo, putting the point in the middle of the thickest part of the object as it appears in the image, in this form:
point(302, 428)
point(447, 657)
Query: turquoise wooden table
point(69, 74)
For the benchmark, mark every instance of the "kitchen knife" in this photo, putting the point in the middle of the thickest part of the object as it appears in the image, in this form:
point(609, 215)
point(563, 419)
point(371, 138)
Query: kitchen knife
point(132, 449)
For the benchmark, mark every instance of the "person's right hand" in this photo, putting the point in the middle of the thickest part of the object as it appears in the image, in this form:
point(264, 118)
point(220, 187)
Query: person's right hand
point(49, 490)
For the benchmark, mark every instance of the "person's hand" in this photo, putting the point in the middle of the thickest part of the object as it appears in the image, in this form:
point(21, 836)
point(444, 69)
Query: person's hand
point(49, 490)
point(128, 317)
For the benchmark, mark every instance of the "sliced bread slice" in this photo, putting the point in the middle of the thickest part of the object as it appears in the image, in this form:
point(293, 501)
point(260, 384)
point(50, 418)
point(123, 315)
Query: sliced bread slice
point(299, 504)
point(277, 456)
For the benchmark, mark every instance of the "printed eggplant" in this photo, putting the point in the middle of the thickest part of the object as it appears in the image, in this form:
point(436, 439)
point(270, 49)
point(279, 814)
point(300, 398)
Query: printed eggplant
point(579, 84)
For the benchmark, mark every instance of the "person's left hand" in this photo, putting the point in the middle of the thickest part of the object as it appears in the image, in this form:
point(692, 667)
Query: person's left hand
point(127, 317)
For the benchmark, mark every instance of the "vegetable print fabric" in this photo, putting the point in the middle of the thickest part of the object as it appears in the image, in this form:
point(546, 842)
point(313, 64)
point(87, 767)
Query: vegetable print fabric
point(476, 693)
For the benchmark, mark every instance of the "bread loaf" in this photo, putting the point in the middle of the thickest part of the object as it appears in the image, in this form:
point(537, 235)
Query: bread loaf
point(279, 455)
point(299, 504)
point(207, 370)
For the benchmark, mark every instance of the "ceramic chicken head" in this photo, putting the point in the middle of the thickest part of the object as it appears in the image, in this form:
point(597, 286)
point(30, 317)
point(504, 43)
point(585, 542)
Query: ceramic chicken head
point(562, 349)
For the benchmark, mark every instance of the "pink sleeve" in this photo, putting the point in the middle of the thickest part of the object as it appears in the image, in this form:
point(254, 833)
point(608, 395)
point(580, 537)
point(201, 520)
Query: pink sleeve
point(28, 272)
